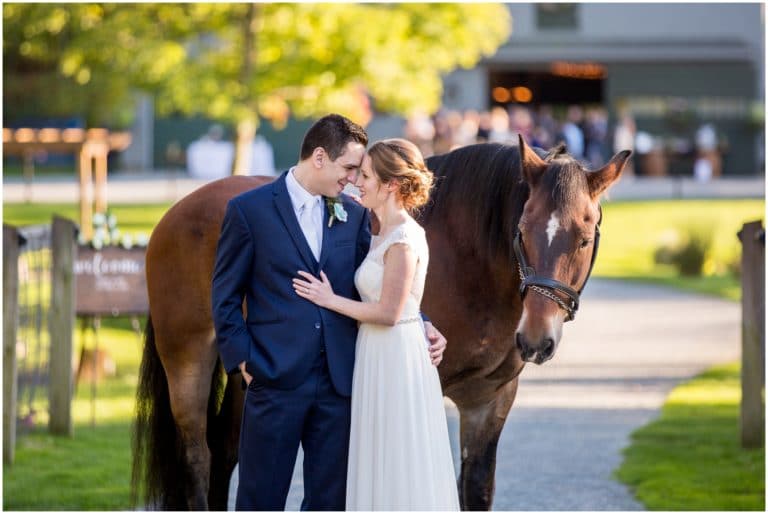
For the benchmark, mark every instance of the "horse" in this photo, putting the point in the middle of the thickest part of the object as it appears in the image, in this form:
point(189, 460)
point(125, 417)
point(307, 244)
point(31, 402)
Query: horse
point(513, 235)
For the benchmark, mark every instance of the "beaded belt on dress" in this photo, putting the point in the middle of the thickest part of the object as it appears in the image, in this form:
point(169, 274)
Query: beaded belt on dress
point(409, 320)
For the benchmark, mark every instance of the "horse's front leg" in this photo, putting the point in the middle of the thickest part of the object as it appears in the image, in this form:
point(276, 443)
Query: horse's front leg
point(481, 427)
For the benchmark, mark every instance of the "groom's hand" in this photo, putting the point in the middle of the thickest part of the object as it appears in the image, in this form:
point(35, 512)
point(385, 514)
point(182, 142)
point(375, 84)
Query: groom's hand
point(437, 343)
point(247, 377)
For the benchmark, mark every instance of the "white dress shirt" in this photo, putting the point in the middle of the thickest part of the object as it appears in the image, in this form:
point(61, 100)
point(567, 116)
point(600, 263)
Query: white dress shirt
point(309, 212)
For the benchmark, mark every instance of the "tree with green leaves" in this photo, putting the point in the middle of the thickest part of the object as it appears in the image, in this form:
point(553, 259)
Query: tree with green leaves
point(239, 63)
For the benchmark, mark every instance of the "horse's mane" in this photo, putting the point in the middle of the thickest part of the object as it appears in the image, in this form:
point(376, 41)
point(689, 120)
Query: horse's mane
point(486, 179)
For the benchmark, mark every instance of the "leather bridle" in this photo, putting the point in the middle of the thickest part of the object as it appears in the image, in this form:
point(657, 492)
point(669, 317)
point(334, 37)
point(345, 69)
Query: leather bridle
point(548, 287)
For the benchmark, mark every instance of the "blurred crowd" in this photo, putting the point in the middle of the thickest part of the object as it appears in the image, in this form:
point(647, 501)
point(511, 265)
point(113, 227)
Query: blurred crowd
point(590, 134)
point(584, 130)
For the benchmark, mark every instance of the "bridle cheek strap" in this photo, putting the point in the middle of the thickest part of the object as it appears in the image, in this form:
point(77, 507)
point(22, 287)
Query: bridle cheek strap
point(548, 287)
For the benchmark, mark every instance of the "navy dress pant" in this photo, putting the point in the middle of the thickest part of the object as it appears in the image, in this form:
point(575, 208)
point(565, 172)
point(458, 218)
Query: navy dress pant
point(274, 423)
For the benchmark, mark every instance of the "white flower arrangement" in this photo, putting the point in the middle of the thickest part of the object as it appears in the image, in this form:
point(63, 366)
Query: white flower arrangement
point(142, 240)
point(126, 242)
point(106, 233)
point(98, 219)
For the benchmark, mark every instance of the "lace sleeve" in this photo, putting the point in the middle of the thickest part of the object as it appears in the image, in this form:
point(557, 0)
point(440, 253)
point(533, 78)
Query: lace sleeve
point(397, 237)
point(403, 236)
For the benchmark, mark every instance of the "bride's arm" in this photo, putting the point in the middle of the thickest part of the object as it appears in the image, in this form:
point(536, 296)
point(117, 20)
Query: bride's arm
point(399, 270)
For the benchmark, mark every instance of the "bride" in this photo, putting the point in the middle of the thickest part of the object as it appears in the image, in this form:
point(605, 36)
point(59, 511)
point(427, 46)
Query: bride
point(399, 453)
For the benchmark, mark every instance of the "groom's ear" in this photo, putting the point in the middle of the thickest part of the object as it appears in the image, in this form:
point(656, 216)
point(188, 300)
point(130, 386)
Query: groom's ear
point(318, 157)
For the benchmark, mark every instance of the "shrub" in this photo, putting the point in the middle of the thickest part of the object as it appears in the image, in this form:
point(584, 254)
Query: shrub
point(687, 253)
point(689, 259)
point(669, 242)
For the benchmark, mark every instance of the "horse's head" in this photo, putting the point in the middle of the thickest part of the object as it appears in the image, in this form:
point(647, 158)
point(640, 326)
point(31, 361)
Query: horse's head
point(556, 243)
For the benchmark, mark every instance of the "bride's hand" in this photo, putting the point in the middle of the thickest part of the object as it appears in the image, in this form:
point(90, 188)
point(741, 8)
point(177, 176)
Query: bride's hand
point(318, 291)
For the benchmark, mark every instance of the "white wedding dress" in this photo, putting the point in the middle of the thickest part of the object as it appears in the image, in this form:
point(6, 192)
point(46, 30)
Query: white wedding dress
point(399, 452)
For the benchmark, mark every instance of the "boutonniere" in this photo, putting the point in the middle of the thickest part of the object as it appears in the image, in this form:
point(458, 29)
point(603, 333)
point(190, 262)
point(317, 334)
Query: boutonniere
point(335, 210)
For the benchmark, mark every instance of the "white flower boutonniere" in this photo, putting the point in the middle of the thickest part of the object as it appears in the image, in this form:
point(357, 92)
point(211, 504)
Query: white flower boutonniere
point(335, 210)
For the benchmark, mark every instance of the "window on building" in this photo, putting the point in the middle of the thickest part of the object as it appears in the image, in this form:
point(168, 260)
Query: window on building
point(557, 16)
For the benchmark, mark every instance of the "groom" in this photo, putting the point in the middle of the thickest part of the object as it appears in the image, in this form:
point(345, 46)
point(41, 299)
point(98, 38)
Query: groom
point(296, 358)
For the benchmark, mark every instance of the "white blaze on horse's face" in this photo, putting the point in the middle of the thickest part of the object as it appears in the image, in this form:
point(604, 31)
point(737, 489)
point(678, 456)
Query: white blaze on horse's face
point(553, 225)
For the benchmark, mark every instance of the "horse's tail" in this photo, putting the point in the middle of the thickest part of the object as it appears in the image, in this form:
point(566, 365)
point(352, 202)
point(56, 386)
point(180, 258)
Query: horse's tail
point(160, 476)
point(157, 477)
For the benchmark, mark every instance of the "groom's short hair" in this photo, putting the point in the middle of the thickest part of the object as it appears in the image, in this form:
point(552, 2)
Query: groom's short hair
point(332, 133)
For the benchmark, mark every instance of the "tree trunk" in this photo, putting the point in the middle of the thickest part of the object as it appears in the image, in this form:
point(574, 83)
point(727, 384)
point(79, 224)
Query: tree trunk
point(246, 128)
point(246, 133)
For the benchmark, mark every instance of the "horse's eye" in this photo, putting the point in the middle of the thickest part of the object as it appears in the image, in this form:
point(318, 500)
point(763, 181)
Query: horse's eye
point(584, 243)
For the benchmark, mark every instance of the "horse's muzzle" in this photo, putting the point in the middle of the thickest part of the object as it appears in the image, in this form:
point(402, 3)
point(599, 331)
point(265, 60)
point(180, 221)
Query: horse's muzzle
point(535, 353)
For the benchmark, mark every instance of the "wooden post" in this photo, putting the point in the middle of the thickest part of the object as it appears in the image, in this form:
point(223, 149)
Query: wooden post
point(85, 170)
point(11, 243)
point(752, 238)
point(61, 325)
point(29, 174)
point(101, 151)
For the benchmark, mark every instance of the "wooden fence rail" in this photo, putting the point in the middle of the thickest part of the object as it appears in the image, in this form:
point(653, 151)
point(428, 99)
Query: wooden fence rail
point(61, 324)
point(11, 247)
point(752, 238)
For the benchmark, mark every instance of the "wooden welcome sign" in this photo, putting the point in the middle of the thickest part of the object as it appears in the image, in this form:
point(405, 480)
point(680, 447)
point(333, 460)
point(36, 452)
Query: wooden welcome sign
point(110, 281)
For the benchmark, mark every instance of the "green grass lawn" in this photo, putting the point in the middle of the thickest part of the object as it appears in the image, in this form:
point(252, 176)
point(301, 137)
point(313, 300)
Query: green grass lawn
point(89, 472)
point(631, 232)
point(131, 219)
point(92, 470)
point(690, 459)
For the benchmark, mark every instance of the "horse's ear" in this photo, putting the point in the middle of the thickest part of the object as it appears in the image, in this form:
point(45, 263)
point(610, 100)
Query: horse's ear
point(531, 165)
point(601, 179)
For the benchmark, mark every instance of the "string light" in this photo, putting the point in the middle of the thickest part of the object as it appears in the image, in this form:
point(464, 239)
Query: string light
point(587, 70)
point(501, 94)
point(522, 94)
point(24, 135)
point(49, 135)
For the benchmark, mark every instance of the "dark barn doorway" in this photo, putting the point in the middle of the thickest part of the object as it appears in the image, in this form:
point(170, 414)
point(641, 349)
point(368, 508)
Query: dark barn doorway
point(548, 88)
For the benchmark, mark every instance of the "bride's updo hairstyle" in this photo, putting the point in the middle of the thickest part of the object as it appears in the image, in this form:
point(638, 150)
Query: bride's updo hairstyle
point(401, 161)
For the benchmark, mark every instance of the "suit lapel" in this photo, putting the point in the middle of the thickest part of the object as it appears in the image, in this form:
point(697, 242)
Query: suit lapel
point(285, 209)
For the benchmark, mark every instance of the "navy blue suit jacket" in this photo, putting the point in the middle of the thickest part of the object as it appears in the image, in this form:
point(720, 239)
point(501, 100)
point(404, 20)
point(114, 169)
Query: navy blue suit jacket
point(261, 248)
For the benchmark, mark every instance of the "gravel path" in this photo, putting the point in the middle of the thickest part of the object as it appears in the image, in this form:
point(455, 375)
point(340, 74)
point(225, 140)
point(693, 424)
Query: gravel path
point(629, 346)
